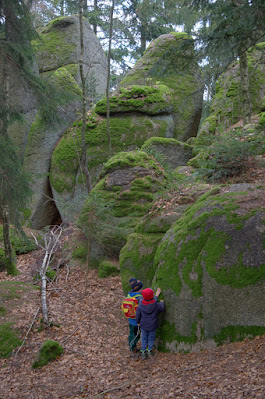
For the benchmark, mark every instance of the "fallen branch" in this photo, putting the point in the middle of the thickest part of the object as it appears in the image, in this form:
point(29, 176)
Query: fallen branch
point(33, 321)
point(67, 339)
point(113, 389)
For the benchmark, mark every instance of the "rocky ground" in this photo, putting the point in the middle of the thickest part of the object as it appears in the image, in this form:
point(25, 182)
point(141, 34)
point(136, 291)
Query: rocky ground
point(96, 362)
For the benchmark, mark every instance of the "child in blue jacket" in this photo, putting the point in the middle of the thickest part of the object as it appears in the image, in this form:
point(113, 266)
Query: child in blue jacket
point(134, 334)
point(147, 318)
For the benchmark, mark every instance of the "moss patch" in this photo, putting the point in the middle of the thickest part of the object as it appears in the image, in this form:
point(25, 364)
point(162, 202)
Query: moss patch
point(49, 351)
point(150, 100)
point(191, 243)
point(9, 340)
point(107, 269)
point(137, 258)
point(237, 333)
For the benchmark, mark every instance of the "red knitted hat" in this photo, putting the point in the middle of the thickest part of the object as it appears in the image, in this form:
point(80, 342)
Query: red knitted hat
point(148, 294)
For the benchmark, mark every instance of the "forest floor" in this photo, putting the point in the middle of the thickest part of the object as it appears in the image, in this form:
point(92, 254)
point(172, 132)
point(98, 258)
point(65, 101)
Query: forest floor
point(96, 362)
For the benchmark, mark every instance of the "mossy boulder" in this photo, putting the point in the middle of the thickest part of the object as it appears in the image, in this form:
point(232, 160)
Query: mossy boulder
point(174, 152)
point(129, 182)
point(211, 267)
point(169, 64)
point(59, 46)
point(137, 256)
point(128, 132)
point(58, 53)
point(226, 109)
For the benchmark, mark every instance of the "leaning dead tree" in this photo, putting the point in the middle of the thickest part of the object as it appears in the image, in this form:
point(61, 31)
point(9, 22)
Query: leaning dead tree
point(51, 242)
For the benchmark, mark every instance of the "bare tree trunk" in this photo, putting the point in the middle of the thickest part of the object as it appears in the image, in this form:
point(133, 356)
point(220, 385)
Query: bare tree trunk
point(83, 81)
point(6, 236)
point(108, 77)
point(245, 92)
point(51, 244)
point(44, 305)
point(95, 27)
point(90, 221)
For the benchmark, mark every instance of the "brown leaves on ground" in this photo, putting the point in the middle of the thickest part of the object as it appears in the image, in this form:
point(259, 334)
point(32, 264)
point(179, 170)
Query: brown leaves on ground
point(96, 362)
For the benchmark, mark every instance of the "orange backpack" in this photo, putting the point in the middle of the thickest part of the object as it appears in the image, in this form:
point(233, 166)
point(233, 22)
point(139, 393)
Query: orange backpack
point(129, 306)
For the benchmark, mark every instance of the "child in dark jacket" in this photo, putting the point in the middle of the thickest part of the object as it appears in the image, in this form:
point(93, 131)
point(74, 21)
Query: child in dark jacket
point(147, 318)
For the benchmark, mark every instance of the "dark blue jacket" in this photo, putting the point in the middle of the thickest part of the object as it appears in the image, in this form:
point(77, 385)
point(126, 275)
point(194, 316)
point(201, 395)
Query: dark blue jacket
point(147, 315)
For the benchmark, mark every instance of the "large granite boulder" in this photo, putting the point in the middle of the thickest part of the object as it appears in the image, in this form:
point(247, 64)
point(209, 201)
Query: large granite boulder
point(58, 54)
point(211, 267)
point(226, 108)
point(126, 191)
point(165, 81)
point(172, 152)
point(161, 97)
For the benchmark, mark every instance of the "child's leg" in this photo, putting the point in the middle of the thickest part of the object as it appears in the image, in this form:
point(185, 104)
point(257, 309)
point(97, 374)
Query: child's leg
point(132, 334)
point(144, 340)
point(151, 339)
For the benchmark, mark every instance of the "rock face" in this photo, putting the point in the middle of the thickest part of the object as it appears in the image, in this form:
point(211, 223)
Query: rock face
point(115, 205)
point(226, 108)
point(161, 97)
point(60, 47)
point(169, 62)
point(58, 55)
point(174, 152)
point(211, 267)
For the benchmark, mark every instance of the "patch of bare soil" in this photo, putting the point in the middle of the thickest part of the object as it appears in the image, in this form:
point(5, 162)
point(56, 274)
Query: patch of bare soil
point(96, 362)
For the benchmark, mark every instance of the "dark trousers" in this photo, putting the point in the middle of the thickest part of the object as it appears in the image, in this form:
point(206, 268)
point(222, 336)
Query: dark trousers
point(133, 338)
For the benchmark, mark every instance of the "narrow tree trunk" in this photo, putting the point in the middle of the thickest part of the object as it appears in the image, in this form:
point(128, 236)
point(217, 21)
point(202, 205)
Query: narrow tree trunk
point(6, 236)
point(44, 305)
point(95, 27)
point(83, 82)
point(108, 77)
point(90, 221)
point(143, 38)
point(245, 92)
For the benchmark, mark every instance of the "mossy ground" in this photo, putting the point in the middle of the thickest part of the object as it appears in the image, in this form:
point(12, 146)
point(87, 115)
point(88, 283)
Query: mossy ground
point(9, 339)
point(49, 351)
point(107, 268)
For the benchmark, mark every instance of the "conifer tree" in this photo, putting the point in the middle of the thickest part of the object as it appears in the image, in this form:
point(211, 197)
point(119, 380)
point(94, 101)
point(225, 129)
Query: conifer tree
point(228, 29)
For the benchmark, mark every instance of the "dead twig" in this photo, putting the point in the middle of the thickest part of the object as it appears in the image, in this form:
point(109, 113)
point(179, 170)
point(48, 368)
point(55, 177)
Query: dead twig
point(67, 339)
point(128, 382)
point(33, 321)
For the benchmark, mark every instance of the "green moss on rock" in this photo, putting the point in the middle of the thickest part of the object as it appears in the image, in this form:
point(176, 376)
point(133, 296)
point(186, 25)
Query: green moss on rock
point(199, 242)
point(126, 133)
point(237, 333)
point(150, 100)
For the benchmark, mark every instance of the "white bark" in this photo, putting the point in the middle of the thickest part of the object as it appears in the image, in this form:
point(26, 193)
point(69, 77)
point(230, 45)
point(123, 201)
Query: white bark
point(51, 243)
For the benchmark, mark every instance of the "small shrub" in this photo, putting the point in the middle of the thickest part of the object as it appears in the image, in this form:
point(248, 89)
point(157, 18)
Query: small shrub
point(226, 157)
point(2, 311)
point(49, 351)
point(8, 340)
point(80, 253)
point(107, 268)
